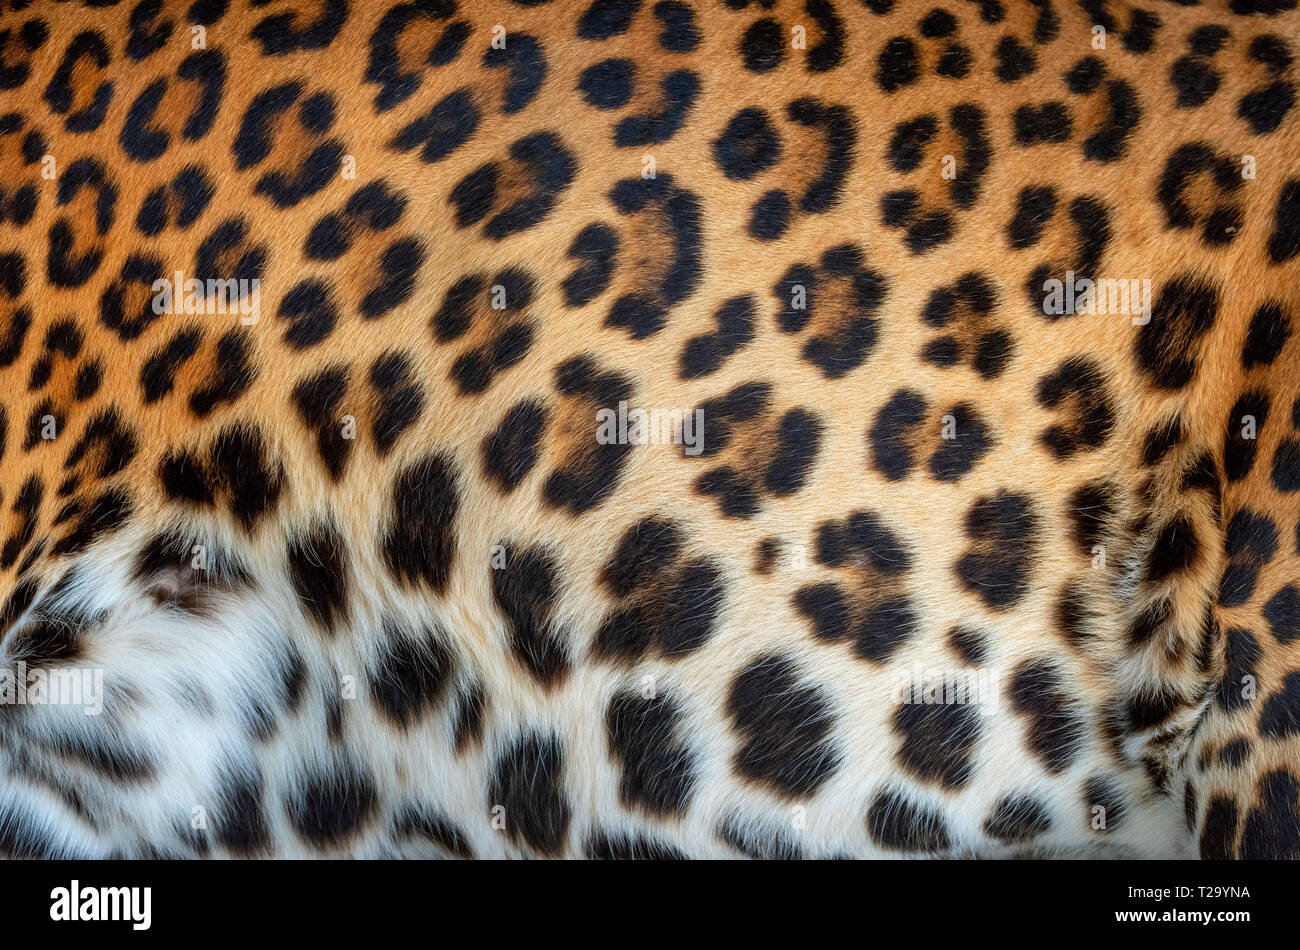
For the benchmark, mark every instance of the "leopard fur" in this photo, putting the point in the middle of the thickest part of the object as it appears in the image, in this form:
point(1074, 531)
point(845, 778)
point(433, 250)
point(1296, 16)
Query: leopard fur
point(360, 574)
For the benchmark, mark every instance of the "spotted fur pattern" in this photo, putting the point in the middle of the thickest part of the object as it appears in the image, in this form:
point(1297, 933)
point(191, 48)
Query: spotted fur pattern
point(361, 580)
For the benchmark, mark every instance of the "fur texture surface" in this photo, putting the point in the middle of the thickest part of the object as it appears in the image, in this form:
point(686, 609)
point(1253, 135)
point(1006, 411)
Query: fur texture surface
point(360, 572)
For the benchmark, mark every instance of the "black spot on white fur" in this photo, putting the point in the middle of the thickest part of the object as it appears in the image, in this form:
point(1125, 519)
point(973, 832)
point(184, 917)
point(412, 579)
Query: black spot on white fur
point(528, 784)
point(411, 674)
point(786, 728)
point(332, 801)
point(320, 573)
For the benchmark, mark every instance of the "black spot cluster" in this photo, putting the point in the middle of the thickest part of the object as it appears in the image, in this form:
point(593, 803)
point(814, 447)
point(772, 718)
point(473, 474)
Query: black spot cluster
point(1194, 75)
point(925, 227)
point(1092, 509)
point(320, 572)
point(166, 568)
point(595, 247)
point(448, 125)
point(528, 784)
point(1161, 439)
point(419, 542)
point(963, 311)
point(1241, 653)
point(667, 600)
point(1078, 389)
point(398, 398)
point(287, 185)
point(422, 822)
point(833, 305)
point(1284, 241)
point(523, 60)
point(748, 145)
point(1003, 530)
point(608, 84)
point(332, 801)
point(1282, 613)
point(906, 424)
point(1055, 726)
point(1271, 831)
point(240, 816)
point(1139, 36)
point(236, 471)
point(758, 839)
point(65, 265)
point(786, 727)
point(751, 452)
point(771, 214)
point(511, 450)
point(1176, 550)
point(591, 470)
point(410, 677)
point(1242, 433)
point(510, 197)
point(282, 33)
point(678, 92)
point(318, 401)
point(1036, 207)
point(1264, 107)
point(86, 60)
point(1280, 717)
point(937, 741)
point(675, 270)
point(1048, 123)
point(1249, 542)
point(384, 64)
point(1269, 330)
point(1167, 350)
point(19, 197)
point(764, 43)
point(868, 603)
point(606, 846)
point(899, 823)
point(63, 343)
point(705, 353)
point(27, 39)
point(1285, 473)
point(527, 591)
point(1018, 818)
point(897, 64)
point(49, 639)
point(649, 739)
point(494, 313)
point(1188, 163)
point(144, 141)
point(1015, 59)
point(373, 209)
point(1109, 141)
